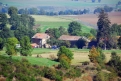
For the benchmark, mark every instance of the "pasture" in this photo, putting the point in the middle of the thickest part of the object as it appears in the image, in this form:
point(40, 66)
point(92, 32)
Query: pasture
point(80, 55)
point(46, 22)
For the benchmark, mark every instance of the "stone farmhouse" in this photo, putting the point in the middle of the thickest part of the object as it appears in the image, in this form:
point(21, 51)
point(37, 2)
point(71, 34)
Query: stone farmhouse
point(39, 40)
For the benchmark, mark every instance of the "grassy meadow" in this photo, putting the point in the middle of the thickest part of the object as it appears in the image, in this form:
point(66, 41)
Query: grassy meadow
point(80, 55)
point(46, 22)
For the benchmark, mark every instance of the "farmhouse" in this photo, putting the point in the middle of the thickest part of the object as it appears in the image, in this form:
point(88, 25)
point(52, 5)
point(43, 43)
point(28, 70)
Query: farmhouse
point(39, 40)
point(73, 39)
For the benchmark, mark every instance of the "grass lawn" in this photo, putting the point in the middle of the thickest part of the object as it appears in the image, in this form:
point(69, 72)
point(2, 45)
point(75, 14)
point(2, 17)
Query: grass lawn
point(37, 61)
point(43, 50)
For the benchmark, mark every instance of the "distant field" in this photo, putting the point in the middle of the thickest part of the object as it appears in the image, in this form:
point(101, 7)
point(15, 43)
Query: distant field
point(46, 22)
point(64, 3)
point(114, 17)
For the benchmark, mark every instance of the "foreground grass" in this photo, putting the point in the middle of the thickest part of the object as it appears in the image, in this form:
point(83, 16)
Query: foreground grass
point(36, 60)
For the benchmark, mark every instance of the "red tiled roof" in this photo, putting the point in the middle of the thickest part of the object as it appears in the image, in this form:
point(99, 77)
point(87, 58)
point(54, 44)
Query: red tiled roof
point(41, 36)
point(69, 38)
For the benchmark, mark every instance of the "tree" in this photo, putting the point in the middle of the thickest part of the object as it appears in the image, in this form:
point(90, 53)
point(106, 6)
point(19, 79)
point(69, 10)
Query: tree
point(81, 43)
point(119, 42)
point(103, 34)
point(3, 21)
point(65, 56)
point(11, 46)
point(74, 28)
point(97, 56)
point(26, 48)
point(6, 33)
point(12, 11)
point(1, 44)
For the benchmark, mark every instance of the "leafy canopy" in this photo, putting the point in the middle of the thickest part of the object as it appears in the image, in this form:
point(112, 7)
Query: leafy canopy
point(74, 28)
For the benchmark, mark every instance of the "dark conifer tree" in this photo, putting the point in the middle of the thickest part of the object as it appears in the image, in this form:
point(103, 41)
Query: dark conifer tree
point(103, 34)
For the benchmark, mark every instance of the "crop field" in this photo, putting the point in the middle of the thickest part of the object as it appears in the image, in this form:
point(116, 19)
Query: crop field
point(64, 3)
point(46, 22)
point(91, 19)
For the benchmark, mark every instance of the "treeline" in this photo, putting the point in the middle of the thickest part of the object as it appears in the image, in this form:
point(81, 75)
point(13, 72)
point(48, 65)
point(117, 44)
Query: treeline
point(35, 11)
point(105, 8)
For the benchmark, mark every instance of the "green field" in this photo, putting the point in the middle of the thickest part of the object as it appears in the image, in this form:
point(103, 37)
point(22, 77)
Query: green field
point(46, 22)
point(80, 55)
point(64, 3)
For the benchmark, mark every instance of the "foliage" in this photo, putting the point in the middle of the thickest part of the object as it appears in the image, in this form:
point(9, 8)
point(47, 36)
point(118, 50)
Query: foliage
point(56, 32)
point(64, 61)
point(119, 42)
point(97, 56)
point(11, 46)
point(65, 56)
point(115, 30)
point(1, 44)
point(66, 51)
point(93, 54)
point(93, 32)
point(3, 21)
point(73, 72)
point(52, 74)
point(81, 43)
point(74, 28)
point(103, 76)
point(103, 34)
point(26, 48)
point(115, 63)
point(6, 33)
point(12, 11)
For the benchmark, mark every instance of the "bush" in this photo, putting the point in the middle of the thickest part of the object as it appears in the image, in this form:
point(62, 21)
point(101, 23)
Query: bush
point(73, 72)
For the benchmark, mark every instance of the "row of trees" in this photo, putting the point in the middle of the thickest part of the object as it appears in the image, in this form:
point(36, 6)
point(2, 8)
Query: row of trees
point(51, 13)
point(105, 8)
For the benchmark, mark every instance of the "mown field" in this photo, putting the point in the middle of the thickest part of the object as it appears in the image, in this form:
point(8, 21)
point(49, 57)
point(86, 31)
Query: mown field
point(46, 22)
point(59, 3)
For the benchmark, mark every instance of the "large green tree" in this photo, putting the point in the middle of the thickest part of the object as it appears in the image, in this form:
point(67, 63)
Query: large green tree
point(103, 34)
point(74, 28)
point(11, 46)
point(26, 48)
